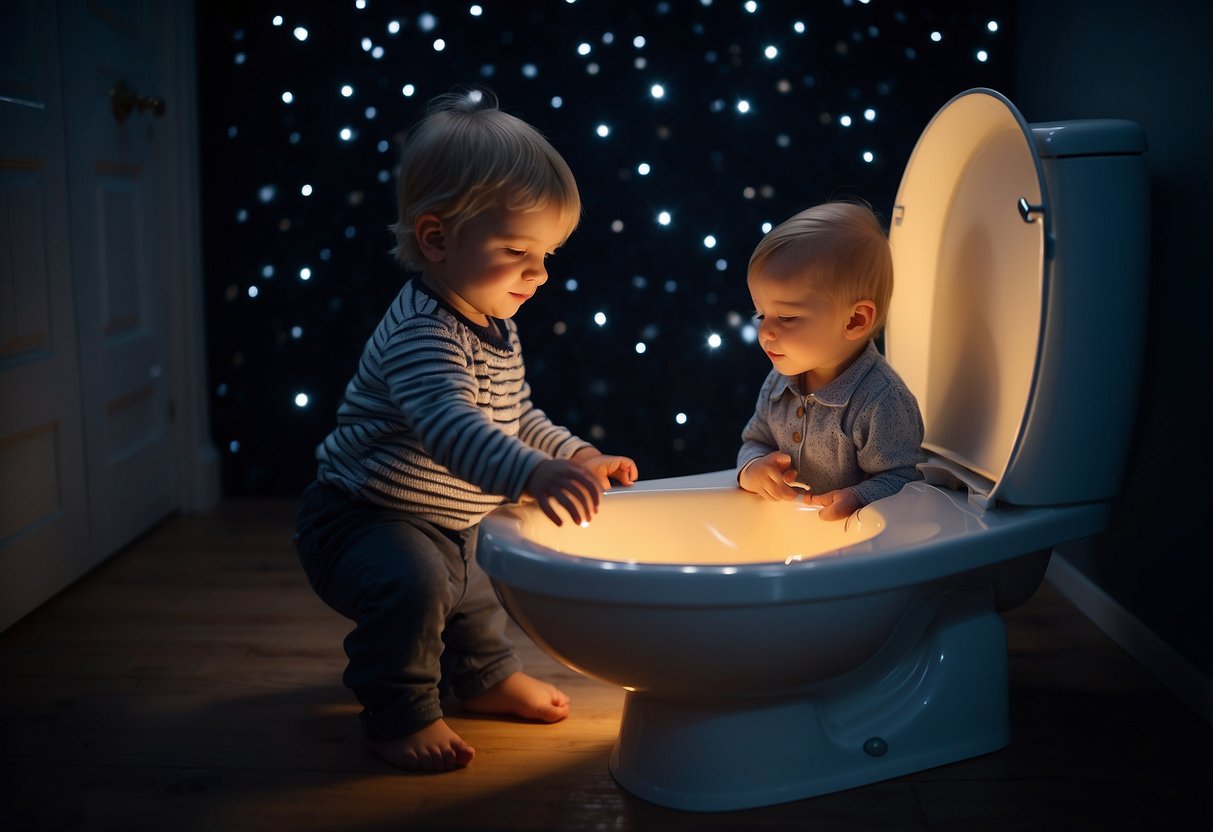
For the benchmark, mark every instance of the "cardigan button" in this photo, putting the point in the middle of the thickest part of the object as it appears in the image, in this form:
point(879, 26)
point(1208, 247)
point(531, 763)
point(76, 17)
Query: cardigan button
point(796, 436)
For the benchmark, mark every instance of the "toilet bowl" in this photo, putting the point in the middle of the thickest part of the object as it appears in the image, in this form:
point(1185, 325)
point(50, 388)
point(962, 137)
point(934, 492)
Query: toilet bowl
point(769, 655)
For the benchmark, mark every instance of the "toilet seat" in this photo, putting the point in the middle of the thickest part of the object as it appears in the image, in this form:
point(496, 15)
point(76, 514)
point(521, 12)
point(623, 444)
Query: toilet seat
point(970, 238)
point(999, 329)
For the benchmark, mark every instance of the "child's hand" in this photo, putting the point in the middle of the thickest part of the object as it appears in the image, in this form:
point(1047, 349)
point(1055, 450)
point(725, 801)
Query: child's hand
point(607, 467)
point(836, 504)
point(568, 484)
point(769, 476)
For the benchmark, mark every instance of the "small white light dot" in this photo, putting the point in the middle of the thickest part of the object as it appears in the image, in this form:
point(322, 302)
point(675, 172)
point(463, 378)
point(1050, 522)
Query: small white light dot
point(657, 91)
point(529, 70)
point(714, 340)
point(992, 25)
point(982, 55)
point(367, 44)
point(664, 218)
point(743, 106)
point(845, 121)
point(936, 37)
point(709, 241)
point(267, 271)
point(301, 400)
point(583, 49)
point(439, 45)
point(288, 97)
point(868, 156)
point(306, 190)
point(346, 90)
point(277, 20)
point(643, 169)
point(798, 27)
point(869, 114)
point(305, 273)
point(393, 27)
point(722, 265)
point(640, 347)
point(296, 332)
point(638, 41)
point(751, 6)
point(749, 334)
point(570, 285)
point(600, 318)
point(557, 102)
point(427, 22)
point(617, 226)
point(300, 33)
point(770, 52)
point(680, 418)
point(346, 134)
point(266, 193)
point(602, 130)
point(253, 291)
point(766, 228)
point(408, 90)
point(476, 11)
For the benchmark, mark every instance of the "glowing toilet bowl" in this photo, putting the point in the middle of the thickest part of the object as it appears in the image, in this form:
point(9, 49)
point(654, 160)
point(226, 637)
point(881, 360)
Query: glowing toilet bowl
point(771, 656)
point(758, 673)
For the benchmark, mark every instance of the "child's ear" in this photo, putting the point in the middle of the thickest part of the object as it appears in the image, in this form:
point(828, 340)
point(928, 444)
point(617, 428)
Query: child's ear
point(863, 318)
point(430, 239)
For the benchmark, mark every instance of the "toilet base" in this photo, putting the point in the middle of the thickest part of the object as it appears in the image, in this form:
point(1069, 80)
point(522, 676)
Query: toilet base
point(931, 696)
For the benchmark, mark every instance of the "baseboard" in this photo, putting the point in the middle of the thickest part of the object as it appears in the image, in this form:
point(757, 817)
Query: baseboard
point(1175, 672)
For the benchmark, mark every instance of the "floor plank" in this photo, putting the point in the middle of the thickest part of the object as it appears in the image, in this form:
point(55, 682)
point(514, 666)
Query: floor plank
point(193, 682)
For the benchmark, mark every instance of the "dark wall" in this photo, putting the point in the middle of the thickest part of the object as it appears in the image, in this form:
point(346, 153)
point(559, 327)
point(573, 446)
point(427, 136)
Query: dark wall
point(718, 171)
point(1150, 62)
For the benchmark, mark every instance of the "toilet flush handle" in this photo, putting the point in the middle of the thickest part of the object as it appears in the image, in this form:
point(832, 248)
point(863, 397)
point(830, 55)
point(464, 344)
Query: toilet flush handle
point(1029, 212)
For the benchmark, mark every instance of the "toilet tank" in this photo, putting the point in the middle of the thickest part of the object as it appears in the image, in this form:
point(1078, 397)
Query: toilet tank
point(1018, 315)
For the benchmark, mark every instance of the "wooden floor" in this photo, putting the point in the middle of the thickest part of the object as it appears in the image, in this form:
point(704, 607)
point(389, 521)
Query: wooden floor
point(194, 682)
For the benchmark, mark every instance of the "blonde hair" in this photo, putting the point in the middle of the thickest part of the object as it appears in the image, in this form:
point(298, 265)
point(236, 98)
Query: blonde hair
point(467, 156)
point(843, 247)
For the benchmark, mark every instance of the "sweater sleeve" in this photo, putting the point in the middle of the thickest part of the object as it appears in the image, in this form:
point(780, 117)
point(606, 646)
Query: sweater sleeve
point(757, 440)
point(538, 431)
point(429, 378)
point(888, 439)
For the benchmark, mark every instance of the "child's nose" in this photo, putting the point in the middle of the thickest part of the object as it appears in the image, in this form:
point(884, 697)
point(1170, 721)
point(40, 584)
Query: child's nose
point(538, 274)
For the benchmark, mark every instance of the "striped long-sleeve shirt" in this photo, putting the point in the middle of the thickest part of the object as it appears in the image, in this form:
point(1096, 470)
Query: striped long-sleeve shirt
point(438, 420)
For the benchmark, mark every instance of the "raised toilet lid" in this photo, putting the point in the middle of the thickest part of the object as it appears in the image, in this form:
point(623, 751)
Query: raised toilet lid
point(971, 277)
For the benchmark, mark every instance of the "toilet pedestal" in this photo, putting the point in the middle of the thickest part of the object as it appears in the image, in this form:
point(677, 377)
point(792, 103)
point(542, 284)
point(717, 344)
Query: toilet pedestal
point(943, 699)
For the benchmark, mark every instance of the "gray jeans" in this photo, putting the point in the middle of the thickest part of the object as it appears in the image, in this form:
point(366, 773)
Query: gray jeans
point(426, 619)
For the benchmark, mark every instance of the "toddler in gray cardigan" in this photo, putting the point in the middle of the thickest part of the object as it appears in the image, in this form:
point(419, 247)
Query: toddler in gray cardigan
point(833, 419)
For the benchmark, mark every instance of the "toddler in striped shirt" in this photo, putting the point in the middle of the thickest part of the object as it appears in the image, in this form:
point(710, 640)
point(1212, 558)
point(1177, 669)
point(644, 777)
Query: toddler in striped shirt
point(437, 428)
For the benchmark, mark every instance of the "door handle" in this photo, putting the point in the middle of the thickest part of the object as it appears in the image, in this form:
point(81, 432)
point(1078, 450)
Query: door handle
point(123, 99)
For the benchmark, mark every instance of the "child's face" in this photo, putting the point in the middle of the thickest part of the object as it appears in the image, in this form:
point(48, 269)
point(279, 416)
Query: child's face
point(497, 260)
point(801, 329)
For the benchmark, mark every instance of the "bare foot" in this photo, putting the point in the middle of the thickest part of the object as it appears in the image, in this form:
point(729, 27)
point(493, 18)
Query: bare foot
point(524, 696)
point(433, 748)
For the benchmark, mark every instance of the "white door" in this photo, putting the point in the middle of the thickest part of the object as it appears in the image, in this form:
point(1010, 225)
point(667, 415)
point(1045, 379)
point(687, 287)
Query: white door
point(121, 295)
point(44, 542)
point(103, 426)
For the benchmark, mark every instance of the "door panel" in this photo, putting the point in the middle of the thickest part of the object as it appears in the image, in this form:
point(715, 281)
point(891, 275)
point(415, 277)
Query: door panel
point(121, 300)
point(44, 539)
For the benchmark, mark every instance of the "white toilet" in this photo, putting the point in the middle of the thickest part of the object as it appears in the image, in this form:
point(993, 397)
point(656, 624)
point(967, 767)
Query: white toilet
point(769, 655)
